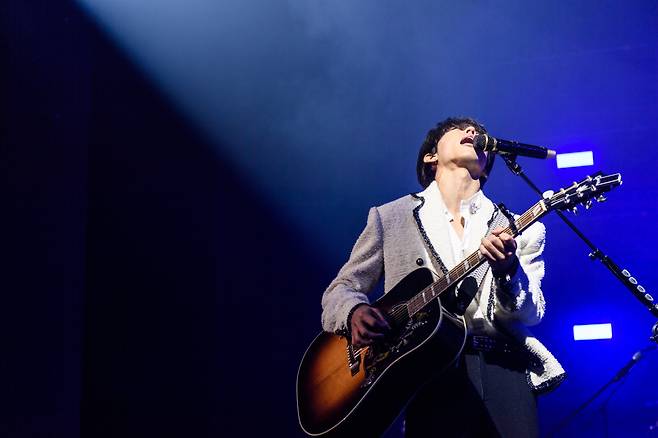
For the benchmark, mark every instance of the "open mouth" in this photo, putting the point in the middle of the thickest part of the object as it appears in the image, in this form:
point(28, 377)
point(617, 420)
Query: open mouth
point(468, 140)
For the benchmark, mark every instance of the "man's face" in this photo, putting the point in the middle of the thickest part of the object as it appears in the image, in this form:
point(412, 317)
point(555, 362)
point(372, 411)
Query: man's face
point(455, 149)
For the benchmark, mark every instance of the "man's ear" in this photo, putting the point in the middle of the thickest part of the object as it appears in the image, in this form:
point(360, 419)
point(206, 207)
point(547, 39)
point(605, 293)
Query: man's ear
point(430, 158)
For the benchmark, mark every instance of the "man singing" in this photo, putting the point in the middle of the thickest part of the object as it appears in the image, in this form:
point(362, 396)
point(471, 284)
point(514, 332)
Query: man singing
point(492, 390)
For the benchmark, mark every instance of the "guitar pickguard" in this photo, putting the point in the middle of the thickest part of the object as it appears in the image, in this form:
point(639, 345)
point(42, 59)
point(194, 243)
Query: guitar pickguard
point(401, 341)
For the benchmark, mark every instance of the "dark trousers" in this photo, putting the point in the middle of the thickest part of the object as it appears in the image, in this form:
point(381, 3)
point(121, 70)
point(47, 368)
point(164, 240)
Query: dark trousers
point(485, 395)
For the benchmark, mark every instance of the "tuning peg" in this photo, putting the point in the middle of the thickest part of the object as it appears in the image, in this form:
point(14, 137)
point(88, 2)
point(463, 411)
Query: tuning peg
point(601, 198)
point(574, 210)
point(588, 204)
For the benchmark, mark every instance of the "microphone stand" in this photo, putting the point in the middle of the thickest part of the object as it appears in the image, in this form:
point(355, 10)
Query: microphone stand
point(623, 275)
point(623, 372)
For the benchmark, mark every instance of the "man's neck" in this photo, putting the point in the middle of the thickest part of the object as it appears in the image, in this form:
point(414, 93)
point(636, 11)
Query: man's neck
point(455, 186)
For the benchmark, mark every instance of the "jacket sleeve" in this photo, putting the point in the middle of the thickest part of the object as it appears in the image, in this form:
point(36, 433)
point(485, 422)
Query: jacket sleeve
point(357, 277)
point(521, 298)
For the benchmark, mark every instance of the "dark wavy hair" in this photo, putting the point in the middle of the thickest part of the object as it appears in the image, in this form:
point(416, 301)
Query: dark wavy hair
point(424, 170)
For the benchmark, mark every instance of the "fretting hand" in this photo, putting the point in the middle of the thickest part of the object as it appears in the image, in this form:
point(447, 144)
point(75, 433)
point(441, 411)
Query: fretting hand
point(500, 250)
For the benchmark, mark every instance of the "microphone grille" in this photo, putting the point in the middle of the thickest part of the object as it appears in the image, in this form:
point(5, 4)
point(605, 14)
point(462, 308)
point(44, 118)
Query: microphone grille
point(480, 142)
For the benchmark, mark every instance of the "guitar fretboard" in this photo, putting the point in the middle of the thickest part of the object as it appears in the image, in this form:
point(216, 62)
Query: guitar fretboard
point(470, 263)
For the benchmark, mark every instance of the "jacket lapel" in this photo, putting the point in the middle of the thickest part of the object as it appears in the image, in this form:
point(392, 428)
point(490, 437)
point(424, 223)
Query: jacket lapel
point(431, 223)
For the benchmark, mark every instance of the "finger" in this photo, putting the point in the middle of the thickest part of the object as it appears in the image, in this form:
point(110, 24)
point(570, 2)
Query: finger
point(495, 253)
point(357, 341)
point(497, 243)
point(496, 231)
point(509, 246)
point(374, 324)
point(485, 252)
point(371, 320)
point(508, 241)
point(381, 318)
point(374, 316)
point(369, 335)
point(494, 246)
point(360, 343)
point(510, 249)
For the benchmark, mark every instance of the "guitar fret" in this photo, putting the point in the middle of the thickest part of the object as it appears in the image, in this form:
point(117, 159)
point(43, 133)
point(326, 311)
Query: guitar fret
point(522, 222)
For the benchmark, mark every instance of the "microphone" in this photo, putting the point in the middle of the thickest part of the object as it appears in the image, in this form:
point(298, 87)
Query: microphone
point(483, 142)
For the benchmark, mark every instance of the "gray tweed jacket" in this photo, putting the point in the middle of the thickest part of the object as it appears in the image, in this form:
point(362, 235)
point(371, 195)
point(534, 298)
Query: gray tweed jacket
point(410, 232)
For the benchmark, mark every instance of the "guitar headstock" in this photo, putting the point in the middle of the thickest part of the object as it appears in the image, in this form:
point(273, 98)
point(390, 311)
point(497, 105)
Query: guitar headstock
point(583, 193)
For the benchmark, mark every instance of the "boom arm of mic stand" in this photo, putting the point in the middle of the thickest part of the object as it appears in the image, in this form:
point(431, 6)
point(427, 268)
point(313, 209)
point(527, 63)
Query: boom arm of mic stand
point(623, 275)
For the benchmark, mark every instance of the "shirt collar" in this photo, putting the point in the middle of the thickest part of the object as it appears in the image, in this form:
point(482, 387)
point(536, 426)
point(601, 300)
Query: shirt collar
point(467, 207)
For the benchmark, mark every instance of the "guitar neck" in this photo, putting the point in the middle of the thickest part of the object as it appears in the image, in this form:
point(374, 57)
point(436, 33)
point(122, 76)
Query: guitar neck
point(472, 262)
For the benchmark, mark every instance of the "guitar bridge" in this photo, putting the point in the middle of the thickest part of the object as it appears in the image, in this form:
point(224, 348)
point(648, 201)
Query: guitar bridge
point(353, 360)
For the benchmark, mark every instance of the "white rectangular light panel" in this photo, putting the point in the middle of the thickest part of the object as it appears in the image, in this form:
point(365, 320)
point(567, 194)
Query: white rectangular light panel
point(575, 159)
point(592, 331)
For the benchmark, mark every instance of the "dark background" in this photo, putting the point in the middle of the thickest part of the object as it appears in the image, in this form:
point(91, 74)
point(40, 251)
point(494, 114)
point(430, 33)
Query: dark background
point(165, 248)
point(142, 279)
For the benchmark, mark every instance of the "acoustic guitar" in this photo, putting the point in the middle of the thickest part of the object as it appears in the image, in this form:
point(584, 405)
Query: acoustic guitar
point(347, 391)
